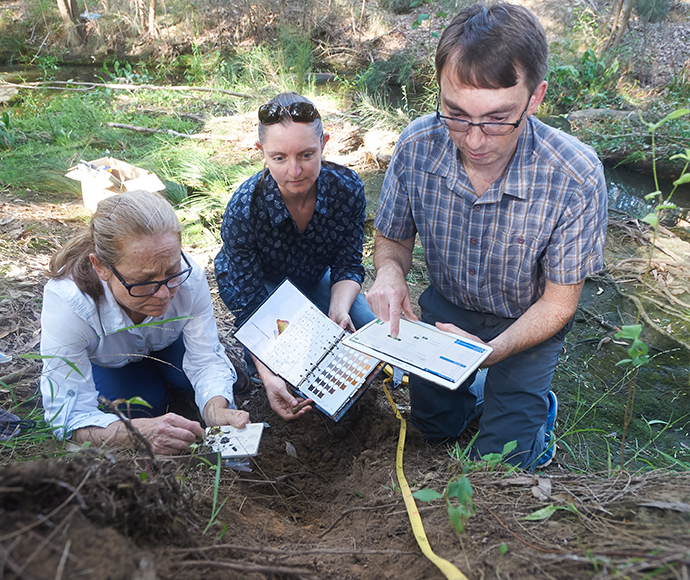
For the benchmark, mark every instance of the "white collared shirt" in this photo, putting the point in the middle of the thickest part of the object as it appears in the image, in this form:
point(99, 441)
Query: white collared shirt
point(76, 331)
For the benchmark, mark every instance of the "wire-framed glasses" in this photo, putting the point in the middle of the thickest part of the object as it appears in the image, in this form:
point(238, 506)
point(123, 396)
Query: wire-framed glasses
point(142, 289)
point(462, 126)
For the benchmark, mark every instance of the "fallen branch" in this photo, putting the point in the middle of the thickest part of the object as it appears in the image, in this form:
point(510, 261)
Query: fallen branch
point(82, 86)
point(247, 567)
point(197, 136)
point(295, 552)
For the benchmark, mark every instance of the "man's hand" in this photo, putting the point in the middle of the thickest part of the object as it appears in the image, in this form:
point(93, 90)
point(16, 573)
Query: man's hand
point(282, 401)
point(448, 327)
point(216, 412)
point(388, 297)
point(389, 294)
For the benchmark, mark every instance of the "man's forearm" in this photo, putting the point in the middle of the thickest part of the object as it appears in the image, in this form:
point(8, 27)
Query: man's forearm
point(540, 322)
point(393, 254)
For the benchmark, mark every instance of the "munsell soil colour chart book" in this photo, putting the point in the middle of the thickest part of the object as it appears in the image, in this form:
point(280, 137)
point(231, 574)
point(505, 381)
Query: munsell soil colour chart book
point(299, 343)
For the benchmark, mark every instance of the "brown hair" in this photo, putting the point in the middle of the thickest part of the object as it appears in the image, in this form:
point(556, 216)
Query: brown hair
point(126, 216)
point(489, 47)
point(286, 99)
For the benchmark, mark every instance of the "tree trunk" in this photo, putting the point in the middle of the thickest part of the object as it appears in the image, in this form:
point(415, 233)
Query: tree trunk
point(152, 17)
point(624, 24)
point(69, 12)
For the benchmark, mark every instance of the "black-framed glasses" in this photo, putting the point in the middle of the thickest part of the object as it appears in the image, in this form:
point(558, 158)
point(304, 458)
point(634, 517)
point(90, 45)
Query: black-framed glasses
point(491, 129)
point(143, 289)
point(300, 112)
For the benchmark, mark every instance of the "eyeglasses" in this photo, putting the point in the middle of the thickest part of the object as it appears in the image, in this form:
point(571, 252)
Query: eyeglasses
point(142, 289)
point(271, 113)
point(491, 129)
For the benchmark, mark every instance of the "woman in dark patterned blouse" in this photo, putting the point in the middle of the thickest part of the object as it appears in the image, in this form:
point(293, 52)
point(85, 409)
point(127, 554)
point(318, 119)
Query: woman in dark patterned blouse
point(300, 218)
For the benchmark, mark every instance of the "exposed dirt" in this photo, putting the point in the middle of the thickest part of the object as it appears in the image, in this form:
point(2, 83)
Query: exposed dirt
point(334, 511)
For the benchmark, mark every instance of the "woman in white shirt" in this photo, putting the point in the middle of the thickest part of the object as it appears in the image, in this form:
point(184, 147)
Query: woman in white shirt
point(127, 314)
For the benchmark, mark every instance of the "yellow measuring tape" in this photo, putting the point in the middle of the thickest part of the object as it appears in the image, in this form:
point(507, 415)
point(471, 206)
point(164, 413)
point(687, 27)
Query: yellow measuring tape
point(450, 571)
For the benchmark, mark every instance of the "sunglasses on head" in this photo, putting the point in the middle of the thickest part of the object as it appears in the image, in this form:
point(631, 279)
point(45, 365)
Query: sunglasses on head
point(271, 113)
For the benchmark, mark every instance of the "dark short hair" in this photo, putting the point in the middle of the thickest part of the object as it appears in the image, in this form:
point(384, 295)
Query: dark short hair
point(489, 47)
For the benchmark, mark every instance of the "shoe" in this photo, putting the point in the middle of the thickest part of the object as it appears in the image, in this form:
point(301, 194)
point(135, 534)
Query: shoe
point(549, 444)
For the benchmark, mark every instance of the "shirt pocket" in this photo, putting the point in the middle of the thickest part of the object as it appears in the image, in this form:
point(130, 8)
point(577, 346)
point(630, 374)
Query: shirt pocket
point(513, 264)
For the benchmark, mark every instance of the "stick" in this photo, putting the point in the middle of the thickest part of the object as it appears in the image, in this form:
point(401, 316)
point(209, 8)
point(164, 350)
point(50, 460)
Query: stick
point(197, 136)
point(63, 85)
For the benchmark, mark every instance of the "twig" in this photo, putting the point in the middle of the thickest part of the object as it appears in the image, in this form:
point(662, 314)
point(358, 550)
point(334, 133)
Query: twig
point(246, 567)
point(65, 85)
point(196, 136)
point(355, 509)
point(275, 552)
point(63, 560)
point(67, 486)
point(20, 531)
point(134, 433)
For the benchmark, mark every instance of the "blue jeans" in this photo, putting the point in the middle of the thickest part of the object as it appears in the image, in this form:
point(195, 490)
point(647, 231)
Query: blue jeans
point(515, 394)
point(153, 379)
point(320, 295)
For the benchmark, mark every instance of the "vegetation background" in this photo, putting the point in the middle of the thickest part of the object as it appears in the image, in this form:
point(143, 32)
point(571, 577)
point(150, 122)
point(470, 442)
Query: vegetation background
point(173, 86)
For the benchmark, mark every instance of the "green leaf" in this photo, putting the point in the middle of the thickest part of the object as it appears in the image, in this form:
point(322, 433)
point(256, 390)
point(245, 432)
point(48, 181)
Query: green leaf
point(685, 178)
point(434, 34)
point(492, 458)
point(503, 550)
point(422, 17)
point(508, 447)
point(138, 401)
point(652, 219)
point(624, 361)
point(542, 514)
point(143, 476)
point(670, 117)
point(638, 361)
point(465, 492)
point(684, 156)
point(632, 331)
point(441, 14)
point(652, 195)
point(456, 519)
point(426, 494)
point(666, 206)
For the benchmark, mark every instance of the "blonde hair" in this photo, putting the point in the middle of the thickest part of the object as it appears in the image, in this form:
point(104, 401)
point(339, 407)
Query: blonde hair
point(126, 216)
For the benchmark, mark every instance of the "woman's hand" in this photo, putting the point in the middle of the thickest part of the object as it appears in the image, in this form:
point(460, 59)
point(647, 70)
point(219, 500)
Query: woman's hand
point(216, 412)
point(282, 401)
point(169, 434)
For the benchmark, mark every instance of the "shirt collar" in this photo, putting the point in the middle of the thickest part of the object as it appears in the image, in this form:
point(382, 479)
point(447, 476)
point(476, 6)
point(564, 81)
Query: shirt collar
point(275, 206)
point(444, 160)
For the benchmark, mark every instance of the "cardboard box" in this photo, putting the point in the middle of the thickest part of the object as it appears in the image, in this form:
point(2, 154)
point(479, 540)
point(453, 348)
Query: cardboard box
point(106, 176)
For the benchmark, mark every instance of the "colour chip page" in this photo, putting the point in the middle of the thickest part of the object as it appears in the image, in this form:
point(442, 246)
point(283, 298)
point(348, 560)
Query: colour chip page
point(441, 357)
point(299, 343)
point(289, 334)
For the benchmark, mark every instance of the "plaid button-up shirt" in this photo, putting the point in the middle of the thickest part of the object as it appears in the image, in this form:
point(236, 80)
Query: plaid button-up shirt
point(545, 218)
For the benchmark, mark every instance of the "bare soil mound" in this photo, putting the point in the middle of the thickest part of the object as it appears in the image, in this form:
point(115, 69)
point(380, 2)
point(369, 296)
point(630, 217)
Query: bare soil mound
point(332, 509)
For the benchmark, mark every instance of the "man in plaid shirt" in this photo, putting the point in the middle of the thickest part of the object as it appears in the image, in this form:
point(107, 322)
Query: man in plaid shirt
point(512, 217)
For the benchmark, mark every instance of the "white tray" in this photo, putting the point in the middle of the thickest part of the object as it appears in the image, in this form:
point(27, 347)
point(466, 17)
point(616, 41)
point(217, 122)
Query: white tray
point(231, 442)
